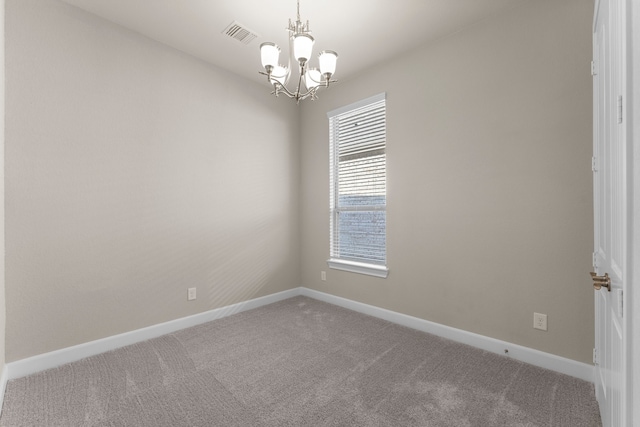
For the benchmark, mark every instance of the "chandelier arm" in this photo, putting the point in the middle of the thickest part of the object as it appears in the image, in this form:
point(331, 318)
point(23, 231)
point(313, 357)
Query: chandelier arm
point(280, 87)
point(322, 83)
point(307, 94)
point(296, 95)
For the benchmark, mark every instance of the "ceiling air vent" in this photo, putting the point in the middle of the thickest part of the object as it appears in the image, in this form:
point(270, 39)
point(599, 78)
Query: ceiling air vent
point(239, 32)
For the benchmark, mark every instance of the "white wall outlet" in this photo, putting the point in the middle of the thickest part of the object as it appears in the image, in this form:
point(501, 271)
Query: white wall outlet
point(540, 321)
point(191, 294)
point(323, 276)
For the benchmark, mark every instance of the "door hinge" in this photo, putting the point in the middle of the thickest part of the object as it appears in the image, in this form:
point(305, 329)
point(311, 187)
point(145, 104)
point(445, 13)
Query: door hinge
point(595, 356)
point(593, 68)
point(594, 163)
point(619, 109)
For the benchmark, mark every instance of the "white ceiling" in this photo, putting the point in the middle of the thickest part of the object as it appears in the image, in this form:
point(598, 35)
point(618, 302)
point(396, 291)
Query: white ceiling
point(363, 32)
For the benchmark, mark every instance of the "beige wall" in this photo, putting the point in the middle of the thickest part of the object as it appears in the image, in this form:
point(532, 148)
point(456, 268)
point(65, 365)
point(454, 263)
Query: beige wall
point(133, 172)
point(489, 180)
point(2, 269)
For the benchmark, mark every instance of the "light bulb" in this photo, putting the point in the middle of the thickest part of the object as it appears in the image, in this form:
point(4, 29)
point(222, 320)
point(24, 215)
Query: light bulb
point(302, 47)
point(312, 78)
point(280, 74)
point(269, 54)
point(327, 59)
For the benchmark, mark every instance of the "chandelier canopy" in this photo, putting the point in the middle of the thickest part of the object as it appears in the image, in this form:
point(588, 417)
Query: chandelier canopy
point(301, 45)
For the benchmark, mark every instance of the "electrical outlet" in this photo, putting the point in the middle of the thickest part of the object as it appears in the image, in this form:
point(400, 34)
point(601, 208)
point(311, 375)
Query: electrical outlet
point(540, 321)
point(191, 294)
point(323, 276)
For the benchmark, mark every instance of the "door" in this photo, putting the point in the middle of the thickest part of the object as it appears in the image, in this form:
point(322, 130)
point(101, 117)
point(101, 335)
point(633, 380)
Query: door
point(609, 169)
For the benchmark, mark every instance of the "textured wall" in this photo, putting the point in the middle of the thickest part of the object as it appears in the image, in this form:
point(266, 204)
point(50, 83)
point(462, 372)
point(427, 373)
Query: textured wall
point(133, 172)
point(489, 180)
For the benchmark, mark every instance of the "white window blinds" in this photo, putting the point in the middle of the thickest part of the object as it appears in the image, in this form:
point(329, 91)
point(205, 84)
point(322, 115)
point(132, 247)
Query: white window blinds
point(358, 182)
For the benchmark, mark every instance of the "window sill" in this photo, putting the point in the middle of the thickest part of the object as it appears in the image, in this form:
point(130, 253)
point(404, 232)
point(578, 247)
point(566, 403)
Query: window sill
point(359, 267)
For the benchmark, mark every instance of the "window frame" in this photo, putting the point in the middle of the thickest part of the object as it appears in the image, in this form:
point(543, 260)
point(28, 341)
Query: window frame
point(380, 270)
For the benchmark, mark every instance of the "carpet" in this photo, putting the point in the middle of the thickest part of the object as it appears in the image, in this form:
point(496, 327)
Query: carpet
point(299, 362)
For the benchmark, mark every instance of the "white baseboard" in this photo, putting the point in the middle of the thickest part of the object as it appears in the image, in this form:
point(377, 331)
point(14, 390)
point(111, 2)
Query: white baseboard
point(518, 352)
point(60, 357)
point(3, 385)
point(41, 362)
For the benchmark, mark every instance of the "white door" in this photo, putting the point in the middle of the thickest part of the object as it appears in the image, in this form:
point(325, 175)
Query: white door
point(609, 164)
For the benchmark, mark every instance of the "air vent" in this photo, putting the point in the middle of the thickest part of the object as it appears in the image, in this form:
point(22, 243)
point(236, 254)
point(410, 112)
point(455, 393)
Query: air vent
point(239, 32)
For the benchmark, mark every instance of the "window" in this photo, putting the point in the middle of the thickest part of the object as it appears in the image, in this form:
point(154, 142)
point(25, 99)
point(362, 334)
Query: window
point(358, 177)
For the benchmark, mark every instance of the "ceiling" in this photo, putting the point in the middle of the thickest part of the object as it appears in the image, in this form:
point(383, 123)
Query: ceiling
point(363, 32)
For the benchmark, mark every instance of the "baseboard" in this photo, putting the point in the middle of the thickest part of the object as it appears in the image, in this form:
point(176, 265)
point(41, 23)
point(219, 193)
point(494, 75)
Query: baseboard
point(63, 356)
point(518, 352)
point(3, 385)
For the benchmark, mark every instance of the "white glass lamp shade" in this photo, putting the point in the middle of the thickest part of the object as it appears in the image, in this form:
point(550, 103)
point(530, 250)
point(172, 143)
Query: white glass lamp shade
point(280, 74)
point(328, 59)
point(302, 47)
point(312, 78)
point(269, 54)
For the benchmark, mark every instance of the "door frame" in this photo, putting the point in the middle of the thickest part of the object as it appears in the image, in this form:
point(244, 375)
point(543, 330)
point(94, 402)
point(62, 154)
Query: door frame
point(632, 301)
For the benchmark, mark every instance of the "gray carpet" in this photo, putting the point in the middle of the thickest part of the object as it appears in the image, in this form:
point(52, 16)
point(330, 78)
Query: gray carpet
point(299, 362)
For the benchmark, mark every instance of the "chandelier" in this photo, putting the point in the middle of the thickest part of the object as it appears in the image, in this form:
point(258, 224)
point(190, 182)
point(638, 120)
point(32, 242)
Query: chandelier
point(309, 79)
